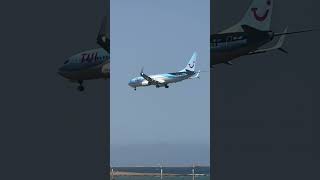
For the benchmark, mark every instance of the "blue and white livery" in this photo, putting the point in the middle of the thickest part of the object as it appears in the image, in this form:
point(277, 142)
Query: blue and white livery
point(162, 80)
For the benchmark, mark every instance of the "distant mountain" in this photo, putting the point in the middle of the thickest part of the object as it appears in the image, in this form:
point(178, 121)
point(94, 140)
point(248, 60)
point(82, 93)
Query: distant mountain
point(166, 154)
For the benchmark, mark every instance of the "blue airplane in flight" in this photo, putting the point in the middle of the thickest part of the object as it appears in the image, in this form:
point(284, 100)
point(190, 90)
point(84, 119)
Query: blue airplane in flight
point(162, 80)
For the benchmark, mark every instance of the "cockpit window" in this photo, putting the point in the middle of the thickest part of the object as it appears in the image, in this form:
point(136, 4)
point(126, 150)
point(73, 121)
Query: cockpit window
point(66, 62)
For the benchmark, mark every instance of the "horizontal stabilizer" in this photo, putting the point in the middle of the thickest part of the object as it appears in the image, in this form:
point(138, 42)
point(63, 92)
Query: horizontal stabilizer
point(295, 32)
point(197, 75)
point(278, 46)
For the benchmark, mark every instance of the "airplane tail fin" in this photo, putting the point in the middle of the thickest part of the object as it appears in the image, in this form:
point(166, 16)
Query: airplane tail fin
point(257, 16)
point(191, 64)
point(102, 39)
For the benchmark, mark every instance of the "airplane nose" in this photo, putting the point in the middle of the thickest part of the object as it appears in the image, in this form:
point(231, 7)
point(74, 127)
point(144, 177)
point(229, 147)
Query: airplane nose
point(61, 71)
point(131, 84)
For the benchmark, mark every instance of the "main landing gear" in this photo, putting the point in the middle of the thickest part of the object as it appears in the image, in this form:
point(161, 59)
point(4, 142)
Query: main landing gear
point(80, 87)
point(166, 86)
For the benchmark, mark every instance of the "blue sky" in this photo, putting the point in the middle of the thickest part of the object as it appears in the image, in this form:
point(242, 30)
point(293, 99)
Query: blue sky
point(161, 37)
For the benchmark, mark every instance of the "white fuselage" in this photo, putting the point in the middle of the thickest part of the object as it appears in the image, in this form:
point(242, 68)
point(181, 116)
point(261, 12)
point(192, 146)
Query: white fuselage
point(163, 79)
point(90, 64)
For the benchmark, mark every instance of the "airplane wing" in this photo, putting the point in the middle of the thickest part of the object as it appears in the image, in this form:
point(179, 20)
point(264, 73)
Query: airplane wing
point(149, 79)
point(102, 39)
point(278, 46)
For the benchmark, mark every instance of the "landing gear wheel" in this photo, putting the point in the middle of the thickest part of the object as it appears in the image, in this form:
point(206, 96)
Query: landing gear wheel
point(166, 86)
point(80, 88)
point(157, 86)
point(135, 89)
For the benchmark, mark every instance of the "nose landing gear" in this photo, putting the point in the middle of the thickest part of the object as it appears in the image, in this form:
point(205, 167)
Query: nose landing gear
point(80, 87)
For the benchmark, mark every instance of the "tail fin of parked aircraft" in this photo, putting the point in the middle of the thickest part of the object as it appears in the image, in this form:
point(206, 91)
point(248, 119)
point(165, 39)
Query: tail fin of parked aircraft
point(191, 64)
point(257, 16)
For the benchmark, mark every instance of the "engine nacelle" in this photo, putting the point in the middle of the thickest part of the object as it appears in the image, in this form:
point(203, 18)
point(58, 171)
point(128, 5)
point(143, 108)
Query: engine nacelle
point(145, 83)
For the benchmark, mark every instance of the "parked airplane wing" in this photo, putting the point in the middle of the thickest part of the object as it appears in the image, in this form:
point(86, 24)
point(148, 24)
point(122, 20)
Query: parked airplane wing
point(278, 46)
point(149, 79)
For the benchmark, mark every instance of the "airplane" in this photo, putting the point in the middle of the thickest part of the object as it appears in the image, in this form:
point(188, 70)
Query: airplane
point(89, 64)
point(248, 35)
point(162, 80)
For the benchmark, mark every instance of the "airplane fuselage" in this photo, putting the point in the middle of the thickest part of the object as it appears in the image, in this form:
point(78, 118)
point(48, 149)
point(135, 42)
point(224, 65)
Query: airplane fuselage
point(165, 79)
point(228, 46)
point(90, 64)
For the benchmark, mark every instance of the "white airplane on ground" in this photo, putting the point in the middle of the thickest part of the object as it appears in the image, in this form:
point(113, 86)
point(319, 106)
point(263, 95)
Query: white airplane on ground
point(162, 80)
point(90, 64)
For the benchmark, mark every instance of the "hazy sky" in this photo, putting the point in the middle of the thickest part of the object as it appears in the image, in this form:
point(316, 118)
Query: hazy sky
point(161, 37)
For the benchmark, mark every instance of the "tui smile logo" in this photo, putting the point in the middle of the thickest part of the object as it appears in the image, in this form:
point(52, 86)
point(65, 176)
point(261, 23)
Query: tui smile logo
point(264, 16)
point(191, 66)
